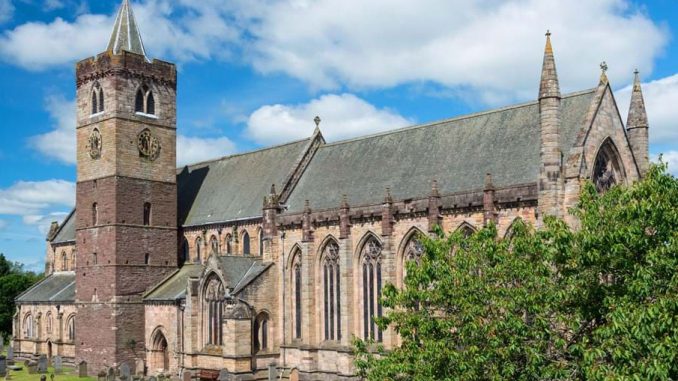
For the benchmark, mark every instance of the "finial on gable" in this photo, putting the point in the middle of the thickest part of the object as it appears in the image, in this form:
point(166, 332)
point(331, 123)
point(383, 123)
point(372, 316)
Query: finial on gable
point(603, 73)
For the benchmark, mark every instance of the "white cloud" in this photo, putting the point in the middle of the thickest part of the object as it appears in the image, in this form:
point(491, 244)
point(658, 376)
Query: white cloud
point(191, 150)
point(492, 47)
point(60, 142)
point(6, 11)
point(661, 98)
point(51, 5)
point(44, 222)
point(343, 116)
point(26, 198)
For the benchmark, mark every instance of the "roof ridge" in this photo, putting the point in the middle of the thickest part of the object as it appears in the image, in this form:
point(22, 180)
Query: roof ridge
point(179, 169)
point(453, 119)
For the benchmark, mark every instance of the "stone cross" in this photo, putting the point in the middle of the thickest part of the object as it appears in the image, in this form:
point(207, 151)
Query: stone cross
point(82, 369)
point(224, 375)
point(3, 366)
point(124, 371)
point(42, 364)
point(58, 364)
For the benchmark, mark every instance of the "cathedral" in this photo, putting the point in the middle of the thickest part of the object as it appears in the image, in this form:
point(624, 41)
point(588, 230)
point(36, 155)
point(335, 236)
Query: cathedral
point(267, 263)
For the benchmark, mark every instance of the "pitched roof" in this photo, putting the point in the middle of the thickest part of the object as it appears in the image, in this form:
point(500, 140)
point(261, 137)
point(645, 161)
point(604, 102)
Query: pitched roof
point(126, 34)
point(174, 286)
point(456, 152)
point(234, 187)
point(66, 231)
point(56, 288)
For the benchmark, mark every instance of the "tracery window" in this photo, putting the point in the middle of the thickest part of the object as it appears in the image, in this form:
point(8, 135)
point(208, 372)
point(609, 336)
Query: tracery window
point(412, 253)
point(214, 245)
point(213, 311)
point(97, 99)
point(198, 247)
point(71, 328)
point(607, 170)
point(297, 285)
point(246, 243)
point(144, 102)
point(331, 291)
point(371, 258)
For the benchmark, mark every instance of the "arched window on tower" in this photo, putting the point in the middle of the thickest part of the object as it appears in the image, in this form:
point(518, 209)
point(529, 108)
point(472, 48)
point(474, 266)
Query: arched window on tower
point(213, 310)
point(331, 277)
point(371, 287)
point(97, 99)
point(246, 243)
point(297, 285)
point(607, 170)
point(214, 245)
point(147, 213)
point(144, 102)
point(95, 214)
point(198, 247)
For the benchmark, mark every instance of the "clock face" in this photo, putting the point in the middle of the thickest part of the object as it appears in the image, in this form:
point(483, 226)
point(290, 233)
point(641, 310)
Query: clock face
point(149, 145)
point(94, 144)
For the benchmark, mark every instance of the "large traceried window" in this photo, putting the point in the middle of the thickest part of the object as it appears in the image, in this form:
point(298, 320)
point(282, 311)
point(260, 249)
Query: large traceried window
point(607, 169)
point(296, 285)
point(413, 252)
point(371, 259)
point(331, 278)
point(213, 311)
point(97, 99)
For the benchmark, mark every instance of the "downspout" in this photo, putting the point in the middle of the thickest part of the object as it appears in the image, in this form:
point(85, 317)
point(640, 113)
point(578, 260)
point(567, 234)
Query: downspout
point(284, 315)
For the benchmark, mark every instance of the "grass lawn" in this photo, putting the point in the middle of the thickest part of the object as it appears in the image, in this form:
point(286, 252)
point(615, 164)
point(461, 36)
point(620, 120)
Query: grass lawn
point(67, 374)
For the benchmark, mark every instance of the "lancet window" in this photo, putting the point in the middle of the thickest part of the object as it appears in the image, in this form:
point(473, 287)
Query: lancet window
point(331, 276)
point(371, 261)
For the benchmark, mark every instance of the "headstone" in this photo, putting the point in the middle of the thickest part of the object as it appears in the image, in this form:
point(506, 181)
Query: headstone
point(3, 366)
point(43, 378)
point(10, 353)
point(224, 375)
point(272, 372)
point(186, 376)
point(152, 378)
point(2, 343)
point(58, 364)
point(32, 368)
point(294, 375)
point(42, 364)
point(82, 369)
point(51, 376)
point(140, 368)
point(124, 372)
point(110, 376)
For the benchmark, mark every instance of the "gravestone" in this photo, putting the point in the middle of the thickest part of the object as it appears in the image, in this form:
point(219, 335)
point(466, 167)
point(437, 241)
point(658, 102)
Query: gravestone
point(272, 372)
point(152, 378)
point(82, 369)
point(224, 375)
point(2, 343)
point(43, 378)
point(42, 364)
point(10, 353)
point(110, 376)
point(186, 376)
point(32, 368)
point(140, 368)
point(3, 366)
point(58, 364)
point(124, 372)
point(51, 376)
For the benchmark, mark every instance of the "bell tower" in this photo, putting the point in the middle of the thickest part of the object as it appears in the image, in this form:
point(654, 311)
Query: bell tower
point(126, 198)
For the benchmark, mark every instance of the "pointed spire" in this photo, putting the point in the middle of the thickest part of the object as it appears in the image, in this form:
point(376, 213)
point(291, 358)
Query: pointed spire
point(637, 114)
point(126, 34)
point(549, 87)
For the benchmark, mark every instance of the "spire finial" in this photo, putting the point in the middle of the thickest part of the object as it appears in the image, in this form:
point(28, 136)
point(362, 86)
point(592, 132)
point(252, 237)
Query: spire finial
point(126, 34)
point(317, 121)
point(603, 72)
point(549, 86)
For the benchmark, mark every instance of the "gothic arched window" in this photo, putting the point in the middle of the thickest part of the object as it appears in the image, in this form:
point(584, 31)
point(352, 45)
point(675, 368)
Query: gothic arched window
point(95, 214)
point(28, 326)
point(97, 99)
point(144, 102)
point(147, 213)
point(214, 245)
point(296, 284)
point(466, 229)
point(184, 251)
point(413, 252)
point(227, 242)
point(261, 242)
point(607, 169)
point(71, 328)
point(261, 331)
point(198, 247)
point(371, 270)
point(64, 261)
point(246, 243)
point(331, 276)
point(48, 319)
point(213, 310)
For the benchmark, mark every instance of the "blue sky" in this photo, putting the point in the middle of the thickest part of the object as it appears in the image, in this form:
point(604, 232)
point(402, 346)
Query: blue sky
point(254, 73)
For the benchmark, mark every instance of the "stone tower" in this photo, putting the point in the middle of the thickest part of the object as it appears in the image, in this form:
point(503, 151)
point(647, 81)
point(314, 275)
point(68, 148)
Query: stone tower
point(550, 179)
point(126, 197)
point(637, 127)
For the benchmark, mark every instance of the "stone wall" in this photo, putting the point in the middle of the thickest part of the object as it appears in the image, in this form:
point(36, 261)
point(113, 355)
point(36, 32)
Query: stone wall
point(50, 331)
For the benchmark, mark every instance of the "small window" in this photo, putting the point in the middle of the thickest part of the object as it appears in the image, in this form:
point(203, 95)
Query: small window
point(139, 102)
point(184, 252)
point(95, 214)
point(71, 328)
point(144, 102)
point(228, 239)
point(64, 261)
point(147, 259)
point(147, 213)
point(198, 245)
point(94, 259)
point(214, 245)
point(261, 242)
point(246, 243)
point(150, 104)
point(95, 101)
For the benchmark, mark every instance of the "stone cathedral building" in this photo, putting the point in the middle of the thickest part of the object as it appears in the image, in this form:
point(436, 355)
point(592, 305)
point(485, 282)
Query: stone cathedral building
point(277, 257)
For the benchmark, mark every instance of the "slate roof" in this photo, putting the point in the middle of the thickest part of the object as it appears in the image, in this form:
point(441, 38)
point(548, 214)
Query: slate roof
point(66, 231)
point(455, 152)
point(56, 288)
point(240, 271)
point(174, 286)
point(234, 187)
point(126, 34)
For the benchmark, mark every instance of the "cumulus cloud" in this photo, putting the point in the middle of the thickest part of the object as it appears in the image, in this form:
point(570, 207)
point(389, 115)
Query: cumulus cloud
point(192, 150)
point(59, 143)
point(492, 47)
point(44, 221)
point(343, 116)
point(661, 98)
point(26, 198)
point(6, 11)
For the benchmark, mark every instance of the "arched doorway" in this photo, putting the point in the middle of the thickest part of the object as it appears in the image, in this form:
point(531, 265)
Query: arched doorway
point(159, 353)
point(49, 349)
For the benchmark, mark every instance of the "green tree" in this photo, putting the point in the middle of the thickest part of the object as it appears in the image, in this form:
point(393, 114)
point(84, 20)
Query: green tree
point(13, 281)
point(596, 303)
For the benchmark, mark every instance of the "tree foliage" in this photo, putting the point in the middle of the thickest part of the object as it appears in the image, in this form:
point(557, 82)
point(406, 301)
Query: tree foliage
point(13, 281)
point(599, 302)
